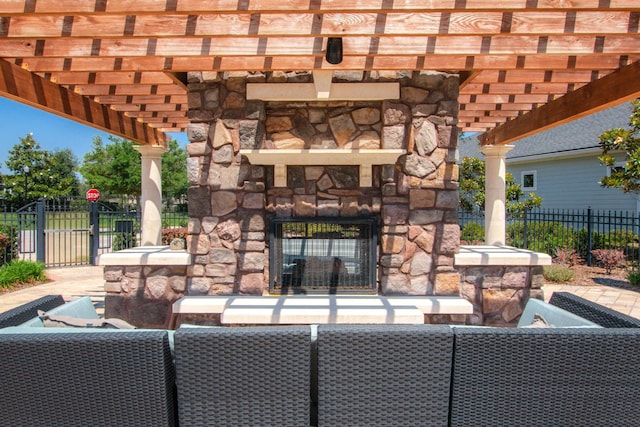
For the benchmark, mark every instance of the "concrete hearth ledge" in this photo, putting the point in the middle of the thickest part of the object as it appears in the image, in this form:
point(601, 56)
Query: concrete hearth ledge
point(146, 255)
point(320, 309)
point(499, 255)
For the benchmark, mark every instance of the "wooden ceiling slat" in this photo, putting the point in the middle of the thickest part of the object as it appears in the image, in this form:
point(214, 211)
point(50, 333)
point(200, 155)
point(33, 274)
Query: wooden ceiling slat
point(504, 99)
point(111, 78)
point(491, 106)
point(389, 46)
point(142, 99)
point(173, 115)
point(140, 89)
point(313, 24)
point(253, 6)
point(509, 88)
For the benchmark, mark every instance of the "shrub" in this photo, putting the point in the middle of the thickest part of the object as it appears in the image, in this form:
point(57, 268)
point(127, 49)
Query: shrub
point(8, 243)
point(582, 242)
point(20, 271)
point(568, 257)
point(472, 232)
point(609, 258)
point(624, 240)
point(168, 234)
point(123, 241)
point(634, 277)
point(545, 237)
point(557, 273)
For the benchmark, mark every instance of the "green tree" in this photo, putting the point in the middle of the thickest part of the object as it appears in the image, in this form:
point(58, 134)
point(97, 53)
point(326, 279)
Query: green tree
point(38, 173)
point(113, 168)
point(627, 141)
point(61, 173)
point(92, 167)
point(174, 172)
point(472, 182)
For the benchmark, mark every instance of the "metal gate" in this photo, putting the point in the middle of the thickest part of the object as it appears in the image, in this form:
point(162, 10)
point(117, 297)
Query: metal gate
point(70, 232)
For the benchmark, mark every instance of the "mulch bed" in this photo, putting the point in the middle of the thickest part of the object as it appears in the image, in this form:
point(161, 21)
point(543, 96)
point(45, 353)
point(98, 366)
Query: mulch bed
point(590, 276)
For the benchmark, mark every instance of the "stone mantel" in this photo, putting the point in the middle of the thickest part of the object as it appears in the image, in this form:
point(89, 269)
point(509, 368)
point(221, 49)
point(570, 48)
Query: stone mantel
point(364, 158)
point(145, 255)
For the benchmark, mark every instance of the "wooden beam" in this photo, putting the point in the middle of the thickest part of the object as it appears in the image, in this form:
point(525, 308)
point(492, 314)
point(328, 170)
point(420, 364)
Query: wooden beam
point(22, 86)
point(67, 7)
point(305, 23)
point(615, 88)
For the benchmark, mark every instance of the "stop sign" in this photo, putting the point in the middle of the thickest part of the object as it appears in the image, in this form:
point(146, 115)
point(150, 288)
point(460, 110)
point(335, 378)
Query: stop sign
point(93, 195)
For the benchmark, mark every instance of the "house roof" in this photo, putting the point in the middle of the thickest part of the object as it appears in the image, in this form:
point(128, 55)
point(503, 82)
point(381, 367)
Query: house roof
point(570, 139)
point(121, 65)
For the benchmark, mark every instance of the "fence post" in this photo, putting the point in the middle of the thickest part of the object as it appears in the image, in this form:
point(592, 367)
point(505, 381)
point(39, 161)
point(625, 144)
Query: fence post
point(589, 237)
point(40, 231)
point(94, 232)
point(524, 227)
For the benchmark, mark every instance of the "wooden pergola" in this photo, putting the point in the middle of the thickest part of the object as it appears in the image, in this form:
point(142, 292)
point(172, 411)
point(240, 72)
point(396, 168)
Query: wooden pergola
point(120, 65)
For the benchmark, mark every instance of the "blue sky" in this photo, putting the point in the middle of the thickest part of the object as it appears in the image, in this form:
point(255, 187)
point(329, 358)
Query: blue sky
point(50, 131)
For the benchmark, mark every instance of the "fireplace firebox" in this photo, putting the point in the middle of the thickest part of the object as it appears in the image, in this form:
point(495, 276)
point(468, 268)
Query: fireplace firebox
point(322, 255)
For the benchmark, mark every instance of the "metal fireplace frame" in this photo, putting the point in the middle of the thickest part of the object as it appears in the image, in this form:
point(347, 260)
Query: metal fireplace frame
point(329, 255)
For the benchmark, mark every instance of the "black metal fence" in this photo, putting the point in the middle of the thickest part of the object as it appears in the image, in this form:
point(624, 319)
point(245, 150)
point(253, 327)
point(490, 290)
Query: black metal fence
point(551, 230)
point(72, 231)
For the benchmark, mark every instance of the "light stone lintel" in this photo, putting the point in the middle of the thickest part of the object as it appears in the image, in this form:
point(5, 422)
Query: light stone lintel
point(145, 255)
point(323, 90)
point(499, 255)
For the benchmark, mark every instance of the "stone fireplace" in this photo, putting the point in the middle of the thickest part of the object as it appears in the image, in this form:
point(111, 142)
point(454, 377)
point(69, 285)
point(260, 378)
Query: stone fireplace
point(252, 161)
point(257, 162)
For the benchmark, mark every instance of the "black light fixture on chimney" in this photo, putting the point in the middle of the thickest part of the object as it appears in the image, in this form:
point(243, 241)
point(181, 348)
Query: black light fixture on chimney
point(334, 50)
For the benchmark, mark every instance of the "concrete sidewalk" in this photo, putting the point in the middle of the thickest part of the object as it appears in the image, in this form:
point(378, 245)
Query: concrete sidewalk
point(73, 282)
point(70, 282)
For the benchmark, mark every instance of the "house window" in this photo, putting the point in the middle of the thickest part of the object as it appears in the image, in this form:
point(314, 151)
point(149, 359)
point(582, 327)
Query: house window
point(619, 167)
point(529, 180)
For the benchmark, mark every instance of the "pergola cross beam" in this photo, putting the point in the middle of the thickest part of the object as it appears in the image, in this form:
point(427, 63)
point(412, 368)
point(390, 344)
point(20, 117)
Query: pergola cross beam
point(31, 89)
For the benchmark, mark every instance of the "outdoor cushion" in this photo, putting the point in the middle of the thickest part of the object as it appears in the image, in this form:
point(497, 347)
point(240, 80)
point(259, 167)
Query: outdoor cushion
point(53, 321)
point(554, 317)
point(80, 307)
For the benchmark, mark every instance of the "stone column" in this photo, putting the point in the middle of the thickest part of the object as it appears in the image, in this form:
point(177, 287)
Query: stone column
point(151, 197)
point(495, 193)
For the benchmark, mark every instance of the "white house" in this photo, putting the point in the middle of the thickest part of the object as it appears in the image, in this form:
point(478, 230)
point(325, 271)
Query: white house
point(561, 165)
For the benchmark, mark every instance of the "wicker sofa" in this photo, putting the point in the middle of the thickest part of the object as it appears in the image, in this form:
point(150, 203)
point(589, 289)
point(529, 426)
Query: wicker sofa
point(326, 375)
point(25, 312)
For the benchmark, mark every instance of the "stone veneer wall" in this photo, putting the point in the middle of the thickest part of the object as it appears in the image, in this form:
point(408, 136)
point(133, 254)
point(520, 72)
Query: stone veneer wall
point(231, 200)
point(499, 293)
point(142, 295)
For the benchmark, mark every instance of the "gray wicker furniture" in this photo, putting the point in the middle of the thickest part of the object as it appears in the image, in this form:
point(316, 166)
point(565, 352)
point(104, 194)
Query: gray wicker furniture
point(592, 311)
point(114, 378)
point(545, 377)
point(384, 375)
point(327, 375)
point(248, 376)
point(25, 312)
